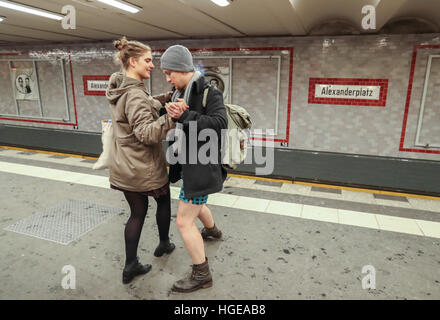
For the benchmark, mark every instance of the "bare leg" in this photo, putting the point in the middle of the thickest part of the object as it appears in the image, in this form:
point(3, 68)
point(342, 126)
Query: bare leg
point(206, 217)
point(186, 217)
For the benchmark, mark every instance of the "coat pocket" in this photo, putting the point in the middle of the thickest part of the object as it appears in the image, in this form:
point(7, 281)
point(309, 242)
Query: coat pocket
point(129, 140)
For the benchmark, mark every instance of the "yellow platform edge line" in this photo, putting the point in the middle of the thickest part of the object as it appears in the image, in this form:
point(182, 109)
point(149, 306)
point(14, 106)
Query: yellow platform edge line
point(49, 152)
point(390, 193)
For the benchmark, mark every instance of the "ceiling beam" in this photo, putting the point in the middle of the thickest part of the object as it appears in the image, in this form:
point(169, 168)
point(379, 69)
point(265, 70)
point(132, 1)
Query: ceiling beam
point(287, 16)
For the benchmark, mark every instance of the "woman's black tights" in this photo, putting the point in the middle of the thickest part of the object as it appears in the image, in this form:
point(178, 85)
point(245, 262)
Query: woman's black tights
point(138, 206)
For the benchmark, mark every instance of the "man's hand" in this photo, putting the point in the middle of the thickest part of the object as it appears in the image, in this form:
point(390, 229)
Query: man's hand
point(175, 109)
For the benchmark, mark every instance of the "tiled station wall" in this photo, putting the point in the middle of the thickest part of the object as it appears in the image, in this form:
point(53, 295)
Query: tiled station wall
point(400, 61)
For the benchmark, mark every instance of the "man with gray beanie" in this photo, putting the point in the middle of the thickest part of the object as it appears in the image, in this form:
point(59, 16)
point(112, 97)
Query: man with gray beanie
point(204, 109)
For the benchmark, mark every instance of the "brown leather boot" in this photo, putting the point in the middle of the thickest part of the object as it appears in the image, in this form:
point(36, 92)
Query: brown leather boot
point(200, 278)
point(213, 232)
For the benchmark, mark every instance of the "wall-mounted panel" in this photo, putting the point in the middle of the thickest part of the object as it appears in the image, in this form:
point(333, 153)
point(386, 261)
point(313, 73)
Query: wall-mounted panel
point(38, 88)
point(428, 128)
point(420, 87)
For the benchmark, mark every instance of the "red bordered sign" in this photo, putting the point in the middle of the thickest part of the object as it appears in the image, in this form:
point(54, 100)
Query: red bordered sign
point(95, 85)
point(343, 91)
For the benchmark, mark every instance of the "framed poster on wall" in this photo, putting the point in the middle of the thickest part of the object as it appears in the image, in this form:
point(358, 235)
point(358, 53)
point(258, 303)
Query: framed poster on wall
point(25, 84)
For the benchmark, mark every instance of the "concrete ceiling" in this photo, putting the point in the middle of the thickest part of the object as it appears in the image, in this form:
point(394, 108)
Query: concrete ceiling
point(186, 19)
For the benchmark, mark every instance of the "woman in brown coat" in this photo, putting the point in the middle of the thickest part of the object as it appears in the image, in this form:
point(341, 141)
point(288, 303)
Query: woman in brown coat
point(137, 162)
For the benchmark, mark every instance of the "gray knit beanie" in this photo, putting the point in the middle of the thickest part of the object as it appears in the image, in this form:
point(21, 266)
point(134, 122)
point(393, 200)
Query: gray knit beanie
point(177, 58)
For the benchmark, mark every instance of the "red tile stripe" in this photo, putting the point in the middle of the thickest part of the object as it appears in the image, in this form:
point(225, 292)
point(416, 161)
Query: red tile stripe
point(14, 54)
point(73, 91)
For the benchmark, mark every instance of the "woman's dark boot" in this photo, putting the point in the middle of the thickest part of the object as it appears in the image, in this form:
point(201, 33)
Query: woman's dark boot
point(134, 269)
point(213, 232)
point(164, 247)
point(200, 278)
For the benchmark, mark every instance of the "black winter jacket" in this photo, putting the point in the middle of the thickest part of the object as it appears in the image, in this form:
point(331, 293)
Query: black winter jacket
point(202, 179)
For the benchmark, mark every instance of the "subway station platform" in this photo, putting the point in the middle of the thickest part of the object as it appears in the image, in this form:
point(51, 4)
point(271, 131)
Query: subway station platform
point(281, 240)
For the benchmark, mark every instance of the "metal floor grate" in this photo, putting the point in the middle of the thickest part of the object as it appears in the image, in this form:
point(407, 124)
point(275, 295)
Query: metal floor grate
point(65, 222)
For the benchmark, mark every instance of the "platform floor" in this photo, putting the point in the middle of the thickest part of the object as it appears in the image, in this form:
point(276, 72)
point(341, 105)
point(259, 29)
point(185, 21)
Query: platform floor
point(281, 240)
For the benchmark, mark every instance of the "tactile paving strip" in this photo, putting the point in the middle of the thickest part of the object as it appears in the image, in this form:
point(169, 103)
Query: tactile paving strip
point(65, 222)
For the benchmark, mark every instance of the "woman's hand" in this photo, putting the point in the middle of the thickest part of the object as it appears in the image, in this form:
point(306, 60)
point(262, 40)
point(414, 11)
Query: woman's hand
point(169, 96)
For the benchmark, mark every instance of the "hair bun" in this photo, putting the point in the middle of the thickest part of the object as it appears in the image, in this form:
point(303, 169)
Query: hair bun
point(120, 44)
point(128, 49)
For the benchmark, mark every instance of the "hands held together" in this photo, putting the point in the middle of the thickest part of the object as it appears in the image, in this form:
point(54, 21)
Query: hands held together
point(175, 109)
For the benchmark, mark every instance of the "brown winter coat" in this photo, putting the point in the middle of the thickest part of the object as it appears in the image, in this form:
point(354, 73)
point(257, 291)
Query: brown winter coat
point(137, 161)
